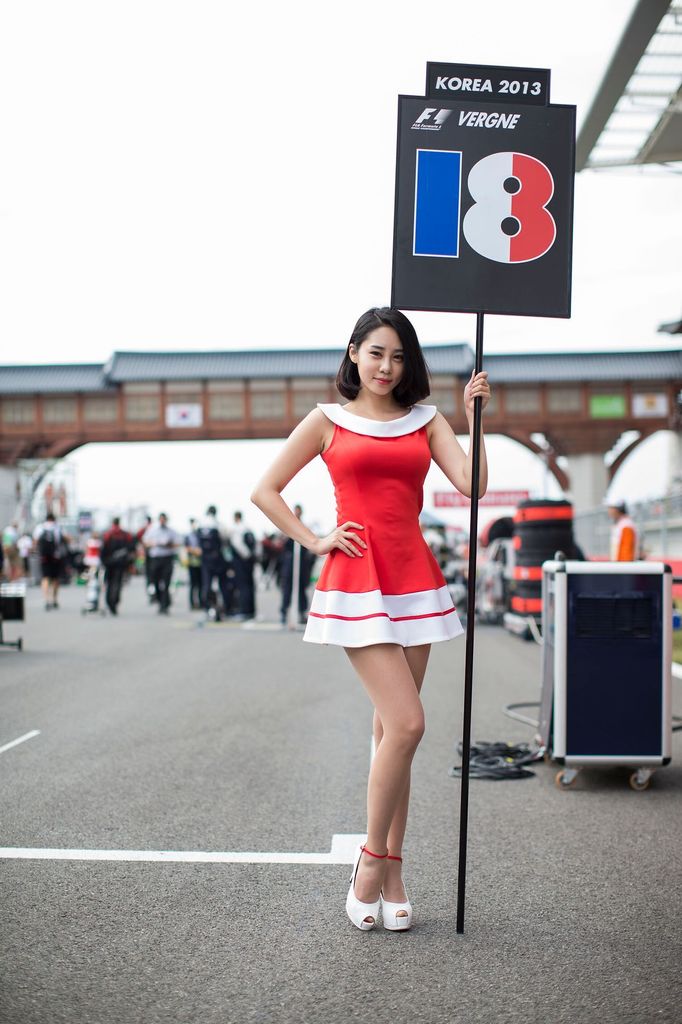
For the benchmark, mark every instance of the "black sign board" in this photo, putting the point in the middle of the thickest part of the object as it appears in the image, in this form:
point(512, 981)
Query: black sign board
point(484, 207)
point(488, 83)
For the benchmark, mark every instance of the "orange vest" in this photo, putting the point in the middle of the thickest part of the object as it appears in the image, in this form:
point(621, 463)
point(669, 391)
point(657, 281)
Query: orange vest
point(624, 546)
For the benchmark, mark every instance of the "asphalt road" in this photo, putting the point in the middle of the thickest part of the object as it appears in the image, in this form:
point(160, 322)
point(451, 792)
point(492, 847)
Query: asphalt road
point(160, 735)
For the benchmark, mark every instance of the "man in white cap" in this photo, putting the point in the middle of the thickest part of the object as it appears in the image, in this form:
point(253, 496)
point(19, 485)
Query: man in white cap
point(624, 539)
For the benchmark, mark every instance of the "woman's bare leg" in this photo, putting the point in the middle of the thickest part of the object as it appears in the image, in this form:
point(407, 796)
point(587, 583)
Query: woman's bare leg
point(386, 675)
point(393, 889)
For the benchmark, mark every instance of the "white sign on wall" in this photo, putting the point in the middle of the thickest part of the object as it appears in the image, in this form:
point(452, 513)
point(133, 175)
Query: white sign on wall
point(652, 405)
point(185, 415)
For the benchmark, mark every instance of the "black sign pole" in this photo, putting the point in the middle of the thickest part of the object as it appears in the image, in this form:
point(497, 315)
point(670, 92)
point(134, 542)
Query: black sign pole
point(483, 153)
point(469, 656)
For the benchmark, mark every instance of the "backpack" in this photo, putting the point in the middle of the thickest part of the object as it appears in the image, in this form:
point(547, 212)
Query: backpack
point(117, 551)
point(47, 544)
point(249, 540)
point(209, 542)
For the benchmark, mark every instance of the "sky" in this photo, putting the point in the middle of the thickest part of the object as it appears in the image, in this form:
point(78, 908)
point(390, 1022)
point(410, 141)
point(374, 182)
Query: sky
point(209, 175)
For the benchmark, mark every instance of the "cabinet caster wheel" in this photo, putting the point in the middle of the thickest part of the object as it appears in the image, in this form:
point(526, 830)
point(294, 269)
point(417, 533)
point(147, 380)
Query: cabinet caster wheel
point(565, 778)
point(640, 780)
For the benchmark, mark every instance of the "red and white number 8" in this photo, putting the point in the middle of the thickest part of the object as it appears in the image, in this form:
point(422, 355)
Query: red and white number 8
point(508, 222)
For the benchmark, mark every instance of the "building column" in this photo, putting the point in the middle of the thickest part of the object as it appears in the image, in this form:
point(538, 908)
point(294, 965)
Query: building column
point(589, 480)
point(674, 473)
point(9, 494)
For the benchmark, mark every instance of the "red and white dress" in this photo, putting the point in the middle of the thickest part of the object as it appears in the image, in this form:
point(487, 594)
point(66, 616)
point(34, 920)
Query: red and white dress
point(396, 593)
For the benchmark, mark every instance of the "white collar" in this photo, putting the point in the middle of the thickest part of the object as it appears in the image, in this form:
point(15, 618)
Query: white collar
point(417, 417)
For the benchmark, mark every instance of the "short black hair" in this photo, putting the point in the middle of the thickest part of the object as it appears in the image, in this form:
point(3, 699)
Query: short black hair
point(211, 510)
point(414, 383)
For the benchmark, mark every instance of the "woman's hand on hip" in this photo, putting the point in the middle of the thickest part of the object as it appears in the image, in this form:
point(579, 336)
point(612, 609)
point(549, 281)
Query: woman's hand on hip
point(342, 538)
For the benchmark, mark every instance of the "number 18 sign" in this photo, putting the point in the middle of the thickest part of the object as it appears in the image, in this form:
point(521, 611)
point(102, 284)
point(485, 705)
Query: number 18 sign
point(484, 206)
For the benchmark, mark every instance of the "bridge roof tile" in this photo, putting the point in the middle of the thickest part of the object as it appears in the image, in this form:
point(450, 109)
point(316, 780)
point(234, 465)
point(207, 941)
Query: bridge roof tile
point(532, 367)
point(527, 367)
point(140, 366)
point(68, 377)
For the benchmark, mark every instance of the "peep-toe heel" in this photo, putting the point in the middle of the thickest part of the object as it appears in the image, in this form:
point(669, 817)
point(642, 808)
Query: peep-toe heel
point(397, 916)
point(356, 910)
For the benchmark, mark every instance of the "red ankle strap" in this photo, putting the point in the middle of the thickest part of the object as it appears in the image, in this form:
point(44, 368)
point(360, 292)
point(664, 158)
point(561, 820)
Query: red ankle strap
point(379, 856)
point(390, 857)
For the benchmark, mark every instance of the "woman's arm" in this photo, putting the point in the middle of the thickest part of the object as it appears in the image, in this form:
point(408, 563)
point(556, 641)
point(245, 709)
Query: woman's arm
point(303, 444)
point(447, 452)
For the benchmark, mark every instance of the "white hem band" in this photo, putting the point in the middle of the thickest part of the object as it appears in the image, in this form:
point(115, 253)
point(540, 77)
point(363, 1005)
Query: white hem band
point(358, 620)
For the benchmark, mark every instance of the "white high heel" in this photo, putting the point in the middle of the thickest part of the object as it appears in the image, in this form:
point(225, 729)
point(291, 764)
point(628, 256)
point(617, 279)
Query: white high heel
point(356, 910)
point(397, 916)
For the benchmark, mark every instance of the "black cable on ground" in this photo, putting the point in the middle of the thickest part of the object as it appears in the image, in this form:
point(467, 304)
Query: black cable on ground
point(497, 761)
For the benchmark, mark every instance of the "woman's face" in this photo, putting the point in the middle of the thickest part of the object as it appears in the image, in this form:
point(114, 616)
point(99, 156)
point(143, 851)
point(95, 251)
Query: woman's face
point(380, 360)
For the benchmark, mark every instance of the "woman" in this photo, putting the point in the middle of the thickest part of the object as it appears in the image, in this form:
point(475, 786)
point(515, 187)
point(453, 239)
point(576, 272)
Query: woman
point(381, 594)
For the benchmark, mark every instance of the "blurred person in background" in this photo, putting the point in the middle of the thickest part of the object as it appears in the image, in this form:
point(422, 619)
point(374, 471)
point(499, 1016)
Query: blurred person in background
point(624, 537)
point(193, 559)
point(92, 556)
point(286, 575)
point(435, 538)
point(151, 592)
point(92, 563)
point(271, 549)
point(160, 542)
point(214, 542)
point(243, 545)
point(25, 546)
point(51, 545)
point(10, 538)
point(118, 551)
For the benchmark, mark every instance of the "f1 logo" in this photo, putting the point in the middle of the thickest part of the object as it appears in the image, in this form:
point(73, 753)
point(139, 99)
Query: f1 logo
point(441, 115)
point(431, 119)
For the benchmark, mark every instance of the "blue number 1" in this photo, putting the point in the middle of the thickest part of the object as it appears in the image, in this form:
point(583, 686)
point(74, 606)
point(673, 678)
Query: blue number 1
point(437, 203)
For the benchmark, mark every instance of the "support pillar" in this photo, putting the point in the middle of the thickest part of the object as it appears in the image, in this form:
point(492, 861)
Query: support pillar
point(9, 494)
point(674, 473)
point(589, 480)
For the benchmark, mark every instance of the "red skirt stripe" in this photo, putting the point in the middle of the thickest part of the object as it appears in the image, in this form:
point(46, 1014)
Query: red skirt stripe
point(377, 615)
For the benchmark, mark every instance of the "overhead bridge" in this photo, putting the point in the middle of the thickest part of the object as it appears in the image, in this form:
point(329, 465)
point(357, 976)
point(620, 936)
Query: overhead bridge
point(560, 404)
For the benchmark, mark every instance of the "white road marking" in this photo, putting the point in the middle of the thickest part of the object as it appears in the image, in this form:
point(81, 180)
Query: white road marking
point(26, 736)
point(271, 627)
point(342, 852)
point(249, 626)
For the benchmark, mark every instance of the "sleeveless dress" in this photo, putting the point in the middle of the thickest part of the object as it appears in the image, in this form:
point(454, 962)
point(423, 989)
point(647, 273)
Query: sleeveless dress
point(395, 593)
